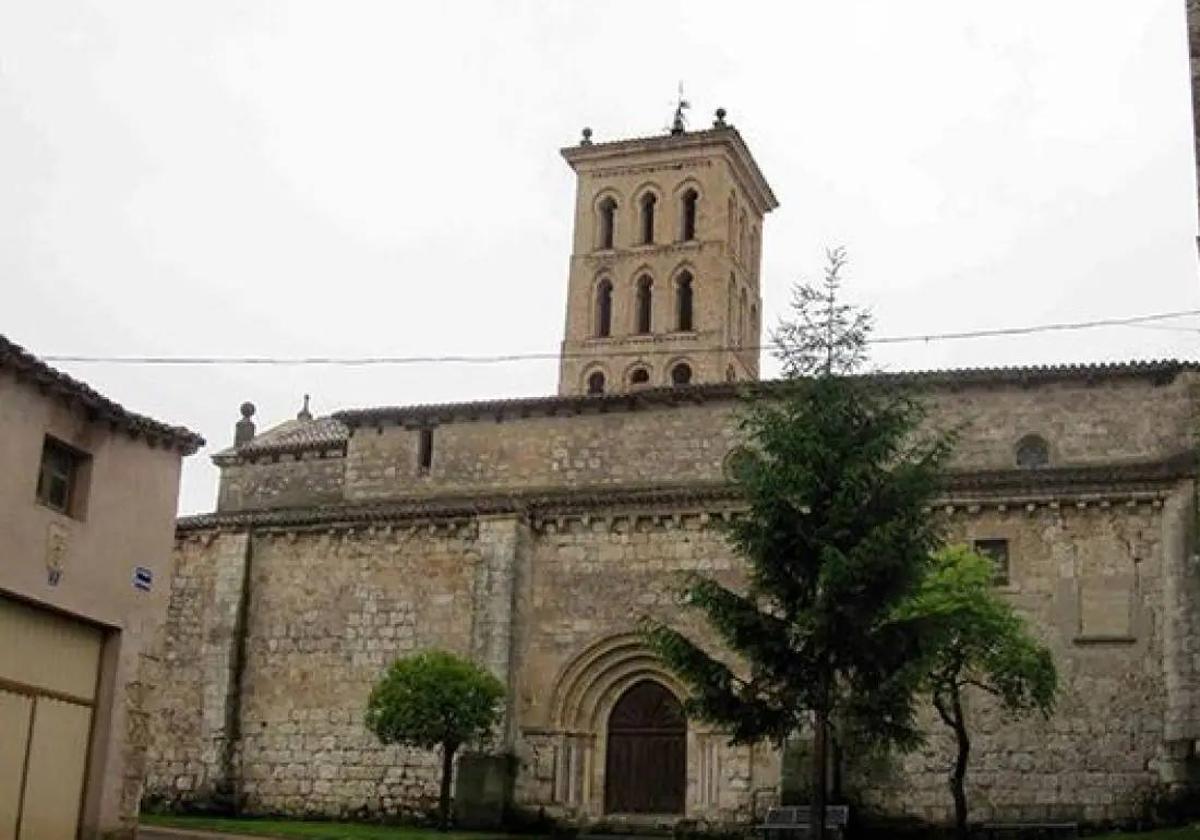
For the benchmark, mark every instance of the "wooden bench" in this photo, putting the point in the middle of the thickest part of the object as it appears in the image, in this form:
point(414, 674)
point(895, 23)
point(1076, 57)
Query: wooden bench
point(1039, 830)
point(795, 819)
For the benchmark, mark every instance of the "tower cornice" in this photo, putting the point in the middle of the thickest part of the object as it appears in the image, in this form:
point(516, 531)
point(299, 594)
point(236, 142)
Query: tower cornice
point(587, 156)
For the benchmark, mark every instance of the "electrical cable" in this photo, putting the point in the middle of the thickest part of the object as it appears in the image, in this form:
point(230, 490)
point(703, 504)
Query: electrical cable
point(1145, 321)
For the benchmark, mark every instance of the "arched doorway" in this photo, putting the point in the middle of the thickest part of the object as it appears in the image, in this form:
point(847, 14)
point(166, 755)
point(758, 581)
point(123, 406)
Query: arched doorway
point(645, 768)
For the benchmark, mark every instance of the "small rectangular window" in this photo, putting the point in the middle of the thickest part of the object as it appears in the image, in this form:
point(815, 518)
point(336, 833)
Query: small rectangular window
point(61, 477)
point(997, 551)
point(425, 451)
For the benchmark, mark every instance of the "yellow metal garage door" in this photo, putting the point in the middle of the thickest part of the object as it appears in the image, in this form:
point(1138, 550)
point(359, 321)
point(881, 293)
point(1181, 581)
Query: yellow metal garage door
point(48, 671)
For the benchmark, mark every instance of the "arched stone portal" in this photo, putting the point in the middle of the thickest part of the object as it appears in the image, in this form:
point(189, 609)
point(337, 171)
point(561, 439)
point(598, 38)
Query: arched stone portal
point(646, 754)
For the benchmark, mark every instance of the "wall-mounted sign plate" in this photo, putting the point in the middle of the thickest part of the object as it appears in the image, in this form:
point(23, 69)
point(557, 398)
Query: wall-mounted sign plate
point(143, 578)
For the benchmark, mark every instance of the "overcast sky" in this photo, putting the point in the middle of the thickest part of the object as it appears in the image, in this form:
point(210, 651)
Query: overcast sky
point(350, 179)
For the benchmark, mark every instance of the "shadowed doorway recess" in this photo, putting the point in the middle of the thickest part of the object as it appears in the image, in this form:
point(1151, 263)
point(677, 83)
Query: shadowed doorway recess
point(646, 760)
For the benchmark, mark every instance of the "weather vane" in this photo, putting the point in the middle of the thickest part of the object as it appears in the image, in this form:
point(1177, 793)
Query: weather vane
point(679, 124)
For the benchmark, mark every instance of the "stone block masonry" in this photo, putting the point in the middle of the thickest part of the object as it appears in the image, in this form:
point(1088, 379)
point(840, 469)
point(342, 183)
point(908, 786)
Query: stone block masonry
point(543, 530)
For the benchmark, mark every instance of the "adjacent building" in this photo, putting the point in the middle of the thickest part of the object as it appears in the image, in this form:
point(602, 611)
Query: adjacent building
point(87, 504)
point(532, 534)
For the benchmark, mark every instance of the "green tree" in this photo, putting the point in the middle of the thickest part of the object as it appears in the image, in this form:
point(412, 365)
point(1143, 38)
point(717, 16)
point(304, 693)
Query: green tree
point(975, 640)
point(836, 536)
point(435, 699)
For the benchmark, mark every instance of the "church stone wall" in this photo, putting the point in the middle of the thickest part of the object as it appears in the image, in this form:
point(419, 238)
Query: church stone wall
point(592, 579)
point(324, 613)
point(281, 481)
point(1101, 422)
point(1091, 580)
point(679, 442)
point(279, 626)
point(668, 444)
point(326, 610)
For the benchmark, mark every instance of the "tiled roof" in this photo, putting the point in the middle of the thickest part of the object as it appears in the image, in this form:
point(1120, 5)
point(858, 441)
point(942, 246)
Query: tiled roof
point(290, 437)
point(1164, 370)
point(100, 409)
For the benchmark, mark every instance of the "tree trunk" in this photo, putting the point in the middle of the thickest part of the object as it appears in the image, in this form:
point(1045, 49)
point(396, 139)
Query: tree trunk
point(820, 779)
point(952, 715)
point(957, 783)
point(835, 766)
point(447, 773)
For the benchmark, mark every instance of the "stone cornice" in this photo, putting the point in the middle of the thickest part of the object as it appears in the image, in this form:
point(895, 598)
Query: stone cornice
point(971, 491)
point(753, 181)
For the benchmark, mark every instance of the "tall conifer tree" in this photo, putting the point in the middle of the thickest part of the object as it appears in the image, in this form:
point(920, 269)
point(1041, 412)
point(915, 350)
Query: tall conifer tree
point(838, 481)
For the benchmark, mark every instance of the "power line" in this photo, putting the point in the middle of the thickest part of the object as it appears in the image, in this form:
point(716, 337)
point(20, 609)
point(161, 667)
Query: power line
point(1136, 321)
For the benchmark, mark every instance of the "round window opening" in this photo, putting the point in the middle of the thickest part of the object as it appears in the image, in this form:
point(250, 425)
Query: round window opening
point(737, 464)
point(681, 374)
point(1032, 452)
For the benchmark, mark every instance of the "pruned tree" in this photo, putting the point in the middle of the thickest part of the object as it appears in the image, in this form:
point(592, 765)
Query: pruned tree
point(435, 699)
point(838, 481)
point(975, 641)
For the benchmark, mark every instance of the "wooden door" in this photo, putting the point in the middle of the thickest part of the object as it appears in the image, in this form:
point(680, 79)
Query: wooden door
point(48, 674)
point(646, 758)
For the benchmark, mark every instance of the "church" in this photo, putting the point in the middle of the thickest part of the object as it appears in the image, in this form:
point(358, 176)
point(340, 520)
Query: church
point(532, 534)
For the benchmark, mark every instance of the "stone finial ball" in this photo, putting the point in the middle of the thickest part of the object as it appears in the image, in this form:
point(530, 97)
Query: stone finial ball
point(587, 134)
point(720, 113)
point(247, 410)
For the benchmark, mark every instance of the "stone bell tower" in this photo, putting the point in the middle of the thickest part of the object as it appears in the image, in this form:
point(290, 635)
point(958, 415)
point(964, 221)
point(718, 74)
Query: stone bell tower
point(664, 280)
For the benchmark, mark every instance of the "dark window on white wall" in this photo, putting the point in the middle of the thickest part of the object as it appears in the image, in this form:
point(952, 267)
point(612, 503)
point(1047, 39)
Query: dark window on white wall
point(645, 291)
point(1033, 452)
point(608, 223)
point(595, 383)
point(687, 228)
point(604, 309)
point(62, 477)
point(681, 374)
point(996, 551)
point(648, 202)
point(425, 451)
point(640, 376)
point(683, 302)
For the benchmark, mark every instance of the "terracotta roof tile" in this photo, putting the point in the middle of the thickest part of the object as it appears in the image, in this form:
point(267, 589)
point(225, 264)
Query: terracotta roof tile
point(290, 436)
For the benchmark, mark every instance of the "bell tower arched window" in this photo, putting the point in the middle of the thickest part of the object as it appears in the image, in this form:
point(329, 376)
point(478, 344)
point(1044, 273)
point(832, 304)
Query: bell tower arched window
point(743, 240)
point(742, 331)
point(648, 202)
point(755, 252)
point(608, 223)
point(645, 292)
point(683, 302)
point(604, 309)
point(687, 227)
point(731, 219)
point(731, 316)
